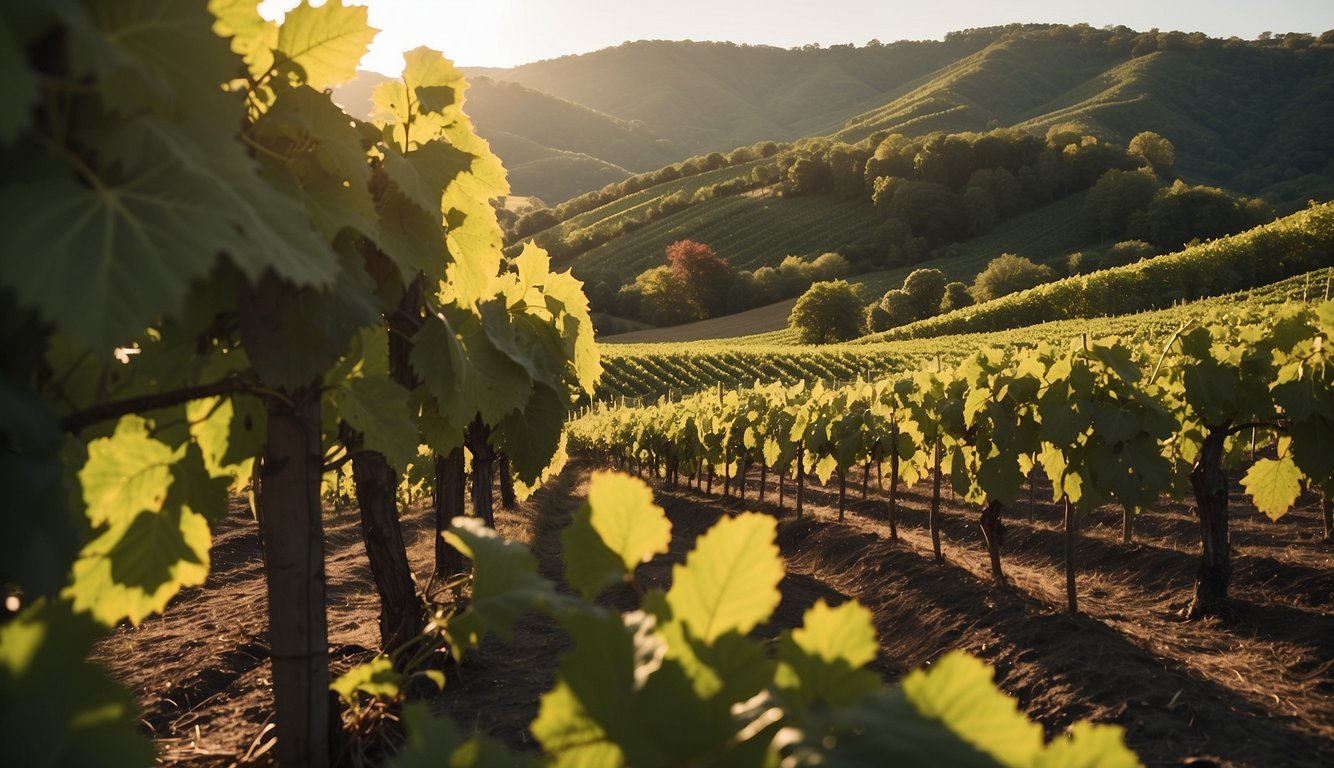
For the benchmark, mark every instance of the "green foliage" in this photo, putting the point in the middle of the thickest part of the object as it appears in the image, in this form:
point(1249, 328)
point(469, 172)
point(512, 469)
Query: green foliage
point(956, 297)
point(376, 679)
point(828, 312)
point(42, 653)
point(1008, 274)
point(680, 682)
point(1269, 253)
point(1155, 150)
point(618, 528)
point(242, 239)
point(502, 590)
point(1112, 205)
point(926, 289)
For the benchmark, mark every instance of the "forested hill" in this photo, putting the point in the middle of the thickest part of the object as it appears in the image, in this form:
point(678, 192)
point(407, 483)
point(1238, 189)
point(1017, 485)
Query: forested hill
point(1247, 115)
point(707, 97)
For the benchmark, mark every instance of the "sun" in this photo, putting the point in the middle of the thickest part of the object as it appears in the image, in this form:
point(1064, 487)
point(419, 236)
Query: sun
point(469, 32)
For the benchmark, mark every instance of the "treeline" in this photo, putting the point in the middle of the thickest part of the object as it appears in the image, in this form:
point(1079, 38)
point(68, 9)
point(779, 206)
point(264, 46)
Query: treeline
point(942, 189)
point(671, 294)
point(1123, 40)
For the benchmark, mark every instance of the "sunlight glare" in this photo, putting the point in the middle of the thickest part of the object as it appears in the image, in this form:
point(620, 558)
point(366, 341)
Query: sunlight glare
point(469, 32)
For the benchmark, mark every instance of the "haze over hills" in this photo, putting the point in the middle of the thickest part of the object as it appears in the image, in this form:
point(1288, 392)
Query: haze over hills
point(1243, 114)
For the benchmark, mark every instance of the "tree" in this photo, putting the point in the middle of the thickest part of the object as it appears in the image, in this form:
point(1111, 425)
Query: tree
point(809, 176)
point(1155, 150)
point(705, 274)
point(1009, 273)
point(666, 299)
point(956, 297)
point(899, 308)
point(828, 312)
point(830, 266)
point(925, 289)
point(1116, 197)
point(980, 208)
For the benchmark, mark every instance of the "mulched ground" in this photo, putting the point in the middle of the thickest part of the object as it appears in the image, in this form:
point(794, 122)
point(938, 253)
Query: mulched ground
point(1254, 688)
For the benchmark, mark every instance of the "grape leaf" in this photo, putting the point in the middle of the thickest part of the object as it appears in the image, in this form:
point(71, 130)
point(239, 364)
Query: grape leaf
point(465, 372)
point(321, 46)
point(822, 660)
point(315, 156)
point(729, 581)
point(42, 661)
point(376, 678)
point(433, 741)
point(424, 173)
point(958, 692)
point(531, 437)
point(136, 51)
point(615, 530)
point(427, 98)
point(293, 336)
point(412, 237)
point(133, 569)
point(569, 736)
point(140, 239)
point(505, 584)
point(376, 407)
point(126, 473)
point(1089, 745)
point(1273, 485)
point(252, 36)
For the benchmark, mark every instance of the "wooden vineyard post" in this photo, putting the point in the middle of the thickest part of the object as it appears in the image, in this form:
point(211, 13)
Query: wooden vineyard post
point(291, 526)
point(933, 520)
point(993, 531)
point(1032, 494)
point(801, 479)
point(842, 494)
point(894, 491)
point(1072, 603)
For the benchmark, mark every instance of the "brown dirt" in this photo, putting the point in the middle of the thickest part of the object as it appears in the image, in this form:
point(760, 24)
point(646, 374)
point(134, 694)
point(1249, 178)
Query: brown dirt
point(1255, 688)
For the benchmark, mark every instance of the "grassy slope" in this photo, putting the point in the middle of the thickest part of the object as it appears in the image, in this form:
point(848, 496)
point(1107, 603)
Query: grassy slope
point(633, 204)
point(551, 122)
point(1003, 84)
point(1046, 235)
point(749, 231)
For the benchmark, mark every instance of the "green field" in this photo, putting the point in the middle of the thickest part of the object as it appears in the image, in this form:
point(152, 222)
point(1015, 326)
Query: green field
point(749, 231)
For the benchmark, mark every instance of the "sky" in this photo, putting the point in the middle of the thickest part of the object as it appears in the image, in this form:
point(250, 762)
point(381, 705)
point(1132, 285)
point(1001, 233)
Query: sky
point(505, 33)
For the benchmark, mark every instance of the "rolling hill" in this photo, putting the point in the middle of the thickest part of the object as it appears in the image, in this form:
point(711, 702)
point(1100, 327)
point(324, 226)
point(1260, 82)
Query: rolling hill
point(1247, 115)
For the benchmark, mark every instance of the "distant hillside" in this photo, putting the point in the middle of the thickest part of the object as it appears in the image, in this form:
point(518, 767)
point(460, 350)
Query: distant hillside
point(1246, 115)
point(716, 96)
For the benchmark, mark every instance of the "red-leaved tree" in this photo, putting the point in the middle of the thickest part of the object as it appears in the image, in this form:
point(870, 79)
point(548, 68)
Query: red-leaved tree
point(706, 273)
